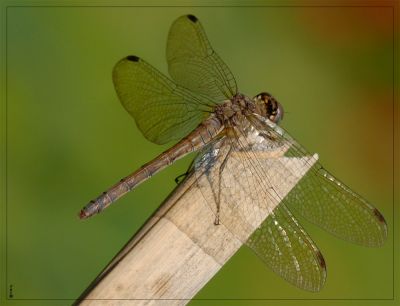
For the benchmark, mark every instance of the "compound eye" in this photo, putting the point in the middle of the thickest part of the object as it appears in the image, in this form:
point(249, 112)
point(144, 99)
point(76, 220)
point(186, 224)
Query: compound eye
point(264, 96)
point(271, 108)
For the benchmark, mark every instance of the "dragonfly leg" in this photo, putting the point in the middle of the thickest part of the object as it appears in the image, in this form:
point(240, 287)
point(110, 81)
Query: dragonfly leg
point(179, 179)
point(221, 169)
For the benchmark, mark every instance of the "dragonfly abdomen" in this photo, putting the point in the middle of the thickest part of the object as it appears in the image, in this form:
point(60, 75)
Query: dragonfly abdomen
point(197, 139)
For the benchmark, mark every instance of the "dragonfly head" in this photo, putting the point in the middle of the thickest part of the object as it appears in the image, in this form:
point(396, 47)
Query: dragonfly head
point(269, 107)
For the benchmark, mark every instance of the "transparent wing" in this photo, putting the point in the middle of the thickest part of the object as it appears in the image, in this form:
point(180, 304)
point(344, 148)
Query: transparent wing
point(285, 247)
point(325, 201)
point(193, 63)
point(245, 195)
point(163, 111)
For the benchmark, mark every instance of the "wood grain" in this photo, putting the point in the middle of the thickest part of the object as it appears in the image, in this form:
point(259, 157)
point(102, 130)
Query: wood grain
point(179, 249)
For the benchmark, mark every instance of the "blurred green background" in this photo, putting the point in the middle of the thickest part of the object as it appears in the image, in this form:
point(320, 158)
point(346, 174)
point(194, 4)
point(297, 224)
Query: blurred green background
point(68, 137)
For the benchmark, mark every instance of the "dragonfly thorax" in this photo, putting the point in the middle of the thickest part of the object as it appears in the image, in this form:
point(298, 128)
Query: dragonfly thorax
point(235, 109)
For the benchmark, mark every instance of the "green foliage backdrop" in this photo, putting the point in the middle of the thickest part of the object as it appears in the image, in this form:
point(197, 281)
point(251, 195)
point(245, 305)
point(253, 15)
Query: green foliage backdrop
point(68, 137)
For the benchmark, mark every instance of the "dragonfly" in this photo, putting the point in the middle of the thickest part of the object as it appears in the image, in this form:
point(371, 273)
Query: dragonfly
point(202, 110)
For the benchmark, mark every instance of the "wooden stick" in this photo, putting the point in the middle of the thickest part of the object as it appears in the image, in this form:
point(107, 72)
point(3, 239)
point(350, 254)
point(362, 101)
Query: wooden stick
point(179, 249)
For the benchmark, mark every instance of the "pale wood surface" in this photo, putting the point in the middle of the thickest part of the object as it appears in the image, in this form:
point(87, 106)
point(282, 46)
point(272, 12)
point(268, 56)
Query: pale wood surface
point(180, 249)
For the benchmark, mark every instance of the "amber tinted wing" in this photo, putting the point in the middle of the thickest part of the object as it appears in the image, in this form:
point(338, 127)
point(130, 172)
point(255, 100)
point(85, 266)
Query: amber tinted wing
point(324, 200)
point(288, 250)
point(255, 175)
point(193, 63)
point(163, 110)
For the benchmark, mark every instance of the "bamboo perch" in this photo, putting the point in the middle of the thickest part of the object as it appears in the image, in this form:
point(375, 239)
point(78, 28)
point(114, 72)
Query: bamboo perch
point(179, 249)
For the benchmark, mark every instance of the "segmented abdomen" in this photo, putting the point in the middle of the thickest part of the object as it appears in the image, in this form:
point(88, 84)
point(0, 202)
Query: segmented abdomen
point(197, 139)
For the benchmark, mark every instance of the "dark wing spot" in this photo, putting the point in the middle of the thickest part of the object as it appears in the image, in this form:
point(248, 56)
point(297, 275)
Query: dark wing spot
point(379, 216)
point(321, 260)
point(192, 18)
point(132, 58)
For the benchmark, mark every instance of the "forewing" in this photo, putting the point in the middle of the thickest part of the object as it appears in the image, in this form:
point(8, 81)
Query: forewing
point(193, 63)
point(254, 179)
point(163, 110)
point(324, 200)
